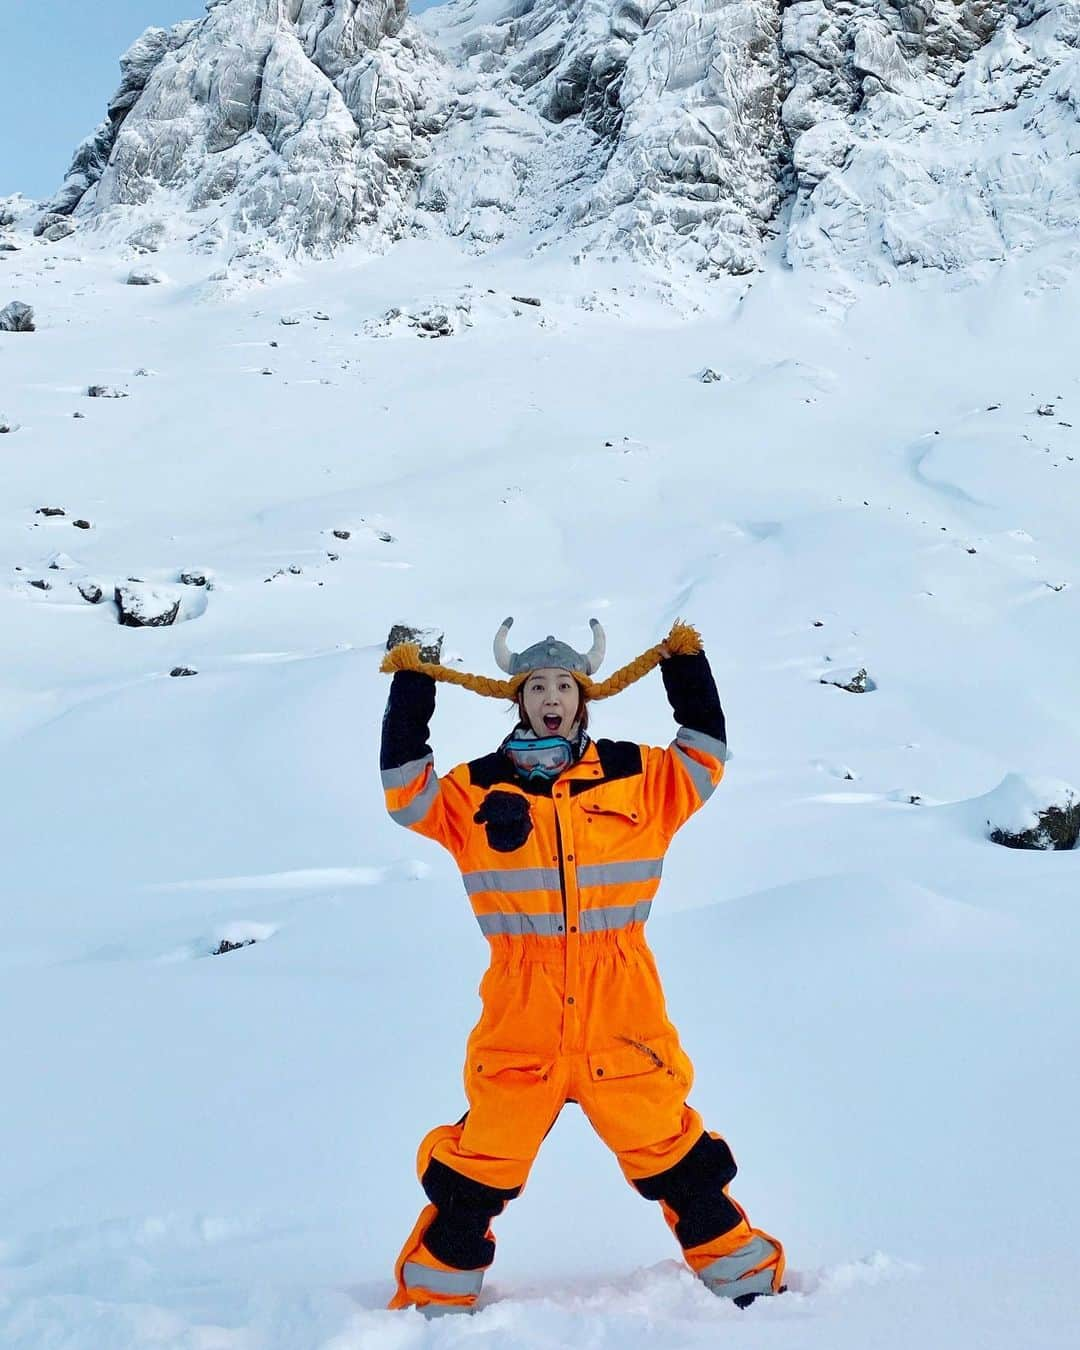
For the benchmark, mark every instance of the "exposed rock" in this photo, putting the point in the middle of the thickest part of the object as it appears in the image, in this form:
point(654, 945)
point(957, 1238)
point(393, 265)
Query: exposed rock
point(342, 534)
point(7, 425)
point(1045, 410)
point(225, 945)
point(1035, 819)
point(61, 562)
point(7, 217)
point(525, 299)
point(146, 277)
point(429, 640)
point(178, 671)
point(82, 524)
point(105, 391)
point(143, 606)
point(710, 376)
point(50, 511)
point(41, 584)
point(16, 318)
point(858, 682)
point(90, 592)
point(193, 578)
point(7, 247)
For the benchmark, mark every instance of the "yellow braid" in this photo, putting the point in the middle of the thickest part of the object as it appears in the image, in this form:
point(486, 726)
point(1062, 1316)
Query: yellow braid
point(683, 640)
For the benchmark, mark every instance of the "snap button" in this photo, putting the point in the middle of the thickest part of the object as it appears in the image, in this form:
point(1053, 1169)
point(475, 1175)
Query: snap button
point(569, 998)
point(479, 1068)
point(569, 857)
point(599, 1073)
point(573, 928)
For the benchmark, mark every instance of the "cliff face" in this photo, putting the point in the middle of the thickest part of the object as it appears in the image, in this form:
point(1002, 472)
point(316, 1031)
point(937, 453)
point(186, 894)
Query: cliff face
point(867, 133)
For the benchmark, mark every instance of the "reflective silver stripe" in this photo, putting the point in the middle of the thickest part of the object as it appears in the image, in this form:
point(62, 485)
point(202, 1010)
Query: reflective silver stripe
point(417, 1276)
point(406, 774)
point(420, 805)
point(699, 740)
point(610, 917)
point(516, 925)
point(511, 880)
point(761, 1283)
point(728, 1275)
point(699, 774)
point(611, 874)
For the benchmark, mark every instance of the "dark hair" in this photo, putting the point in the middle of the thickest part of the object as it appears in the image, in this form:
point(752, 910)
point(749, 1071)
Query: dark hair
point(582, 718)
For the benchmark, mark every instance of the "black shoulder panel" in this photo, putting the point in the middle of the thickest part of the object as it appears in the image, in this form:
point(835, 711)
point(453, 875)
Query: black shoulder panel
point(618, 759)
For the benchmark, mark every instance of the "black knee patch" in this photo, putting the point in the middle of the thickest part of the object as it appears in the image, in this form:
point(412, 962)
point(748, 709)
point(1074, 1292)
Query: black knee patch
point(457, 1235)
point(694, 1190)
point(507, 819)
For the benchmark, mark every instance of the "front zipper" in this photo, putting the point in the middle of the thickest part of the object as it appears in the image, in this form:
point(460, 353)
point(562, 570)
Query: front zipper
point(562, 875)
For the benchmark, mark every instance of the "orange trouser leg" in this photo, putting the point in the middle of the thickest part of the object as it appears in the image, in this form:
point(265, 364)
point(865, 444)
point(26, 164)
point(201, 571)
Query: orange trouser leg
point(666, 1154)
point(440, 1269)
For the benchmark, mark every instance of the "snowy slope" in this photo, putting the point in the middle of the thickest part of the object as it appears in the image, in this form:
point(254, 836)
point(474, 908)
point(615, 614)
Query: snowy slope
point(216, 1153)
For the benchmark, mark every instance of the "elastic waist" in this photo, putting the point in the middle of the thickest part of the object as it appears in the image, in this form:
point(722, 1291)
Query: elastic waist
point(624, 942)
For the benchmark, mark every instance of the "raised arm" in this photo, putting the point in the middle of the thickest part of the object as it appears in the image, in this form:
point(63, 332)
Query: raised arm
point(415, 796)
point(682, 778)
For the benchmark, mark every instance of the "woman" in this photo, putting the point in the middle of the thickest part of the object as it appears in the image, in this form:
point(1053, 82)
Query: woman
point(561, 840)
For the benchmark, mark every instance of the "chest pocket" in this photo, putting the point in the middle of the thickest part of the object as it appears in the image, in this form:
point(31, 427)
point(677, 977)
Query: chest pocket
point(507, 820)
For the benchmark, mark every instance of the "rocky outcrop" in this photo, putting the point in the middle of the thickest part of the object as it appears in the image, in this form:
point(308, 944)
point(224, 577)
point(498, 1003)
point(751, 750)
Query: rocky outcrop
point(941, 133)
point(300, 120)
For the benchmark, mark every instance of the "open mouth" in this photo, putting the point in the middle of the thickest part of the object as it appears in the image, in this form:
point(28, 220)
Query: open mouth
point(552, 722)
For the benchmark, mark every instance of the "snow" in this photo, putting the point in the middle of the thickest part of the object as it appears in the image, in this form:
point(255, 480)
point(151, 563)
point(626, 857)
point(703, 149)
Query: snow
point(216, 1152)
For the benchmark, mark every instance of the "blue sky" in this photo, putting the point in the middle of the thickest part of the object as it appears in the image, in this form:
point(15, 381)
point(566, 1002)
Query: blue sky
point(59, 65)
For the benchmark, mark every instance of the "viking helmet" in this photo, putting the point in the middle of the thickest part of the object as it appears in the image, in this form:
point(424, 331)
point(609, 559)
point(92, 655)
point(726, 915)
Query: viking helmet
point(549, 653)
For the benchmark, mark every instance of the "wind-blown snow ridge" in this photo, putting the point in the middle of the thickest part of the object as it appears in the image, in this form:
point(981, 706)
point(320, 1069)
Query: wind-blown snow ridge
point(896, 131)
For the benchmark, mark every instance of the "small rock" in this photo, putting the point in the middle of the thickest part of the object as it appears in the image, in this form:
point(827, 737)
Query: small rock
point(63, 229)
point(7, 426)
point(289, 320)
point(79, 414)
point(859, 683)
point(5, 247)
point(42, 585)
point(429, 640)
point(525, 299)
point(105, 391)
point(342, 534)
point(50, 511)
point(970, 550)
point(145, 607)
point(50, 220)
point(193, 578)
point(1045, 410)
point(16, 318)
point(710, 376)
point(91, 592)
point(320, 315)
point(146, 277)
point(182, 670)
point(386, 538)
point(294, 570)
point(81, 524)
point(60, 562)
point(993, 407)
point(818, 623)
point(266, 371)
point(226, 946)
point(145, 370)
point(333, 556)
point(273, 344)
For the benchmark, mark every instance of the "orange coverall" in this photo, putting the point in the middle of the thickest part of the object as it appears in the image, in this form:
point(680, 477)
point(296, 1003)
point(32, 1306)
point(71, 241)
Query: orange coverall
point(561, 876)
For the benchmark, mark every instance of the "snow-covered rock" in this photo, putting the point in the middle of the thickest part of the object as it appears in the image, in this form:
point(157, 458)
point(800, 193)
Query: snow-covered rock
point(17, 317)
point(934, 132)
point(298, 120)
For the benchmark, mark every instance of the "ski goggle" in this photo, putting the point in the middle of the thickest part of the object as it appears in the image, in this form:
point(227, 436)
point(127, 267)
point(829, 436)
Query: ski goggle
point(545, 757)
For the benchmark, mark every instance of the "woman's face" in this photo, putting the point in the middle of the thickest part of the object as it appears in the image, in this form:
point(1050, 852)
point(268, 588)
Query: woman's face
point(551, 699)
